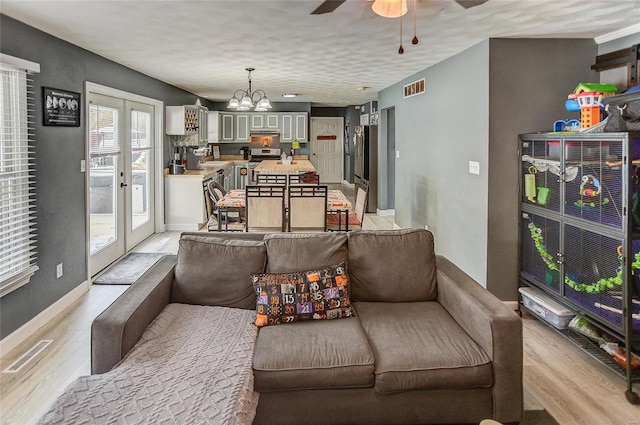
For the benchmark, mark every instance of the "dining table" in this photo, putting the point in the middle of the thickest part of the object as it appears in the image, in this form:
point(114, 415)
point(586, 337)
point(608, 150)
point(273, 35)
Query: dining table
point(235, 200)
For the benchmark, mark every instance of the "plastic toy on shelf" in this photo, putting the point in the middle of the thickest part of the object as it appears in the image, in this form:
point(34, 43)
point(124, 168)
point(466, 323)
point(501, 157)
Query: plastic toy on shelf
point(588, 97)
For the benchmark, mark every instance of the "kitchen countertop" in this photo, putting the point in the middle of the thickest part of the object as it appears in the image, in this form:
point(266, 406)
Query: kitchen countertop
point(276, 167)
point(205, 173)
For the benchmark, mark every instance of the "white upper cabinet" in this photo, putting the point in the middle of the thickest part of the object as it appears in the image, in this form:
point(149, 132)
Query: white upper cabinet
point(286, 134)
point(226, 132)
point(272, 121)
point(213, 126)
point(242, 127)
point(182, 120)
point(301, 127)
point(257, 121)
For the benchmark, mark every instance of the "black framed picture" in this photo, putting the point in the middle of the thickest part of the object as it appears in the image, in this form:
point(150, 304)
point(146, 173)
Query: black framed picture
point(61, 107)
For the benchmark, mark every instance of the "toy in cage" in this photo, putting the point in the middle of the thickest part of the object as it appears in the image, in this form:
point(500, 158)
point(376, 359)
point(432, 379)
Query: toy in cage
point(601, 285)
point(587, 98)
point(590, 192)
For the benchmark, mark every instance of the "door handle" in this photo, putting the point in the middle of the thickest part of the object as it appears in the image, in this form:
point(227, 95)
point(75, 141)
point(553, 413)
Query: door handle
point(123, 184)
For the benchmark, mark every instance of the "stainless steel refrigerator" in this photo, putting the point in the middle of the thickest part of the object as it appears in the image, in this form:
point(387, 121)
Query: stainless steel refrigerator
point(366, 162)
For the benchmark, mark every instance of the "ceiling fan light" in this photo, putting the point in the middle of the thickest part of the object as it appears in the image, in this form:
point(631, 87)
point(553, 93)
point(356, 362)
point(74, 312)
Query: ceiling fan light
point(390, 8)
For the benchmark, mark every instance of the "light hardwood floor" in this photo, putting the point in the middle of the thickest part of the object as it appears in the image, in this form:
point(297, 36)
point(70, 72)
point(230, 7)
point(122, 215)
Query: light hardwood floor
point(558, 376)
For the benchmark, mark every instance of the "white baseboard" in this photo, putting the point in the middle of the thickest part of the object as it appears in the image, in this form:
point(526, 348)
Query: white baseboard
point(350, 185)
point(396, 227)
point(12, 340)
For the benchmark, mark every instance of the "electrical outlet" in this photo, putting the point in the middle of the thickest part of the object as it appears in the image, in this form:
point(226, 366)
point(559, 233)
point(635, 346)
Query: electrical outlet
point(83, 166)
point(59, 271)
point(397, 154)
point(426, 227)
point(474, 167)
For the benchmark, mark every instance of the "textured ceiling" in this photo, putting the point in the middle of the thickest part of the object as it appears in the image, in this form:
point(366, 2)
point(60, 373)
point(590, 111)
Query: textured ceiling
point(204, 46)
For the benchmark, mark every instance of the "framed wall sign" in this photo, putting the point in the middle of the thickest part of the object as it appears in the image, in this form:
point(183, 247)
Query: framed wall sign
point(61, 108)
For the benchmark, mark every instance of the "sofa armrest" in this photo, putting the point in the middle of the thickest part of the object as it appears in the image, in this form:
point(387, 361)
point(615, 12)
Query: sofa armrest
point(494, 326)
point(116, 330)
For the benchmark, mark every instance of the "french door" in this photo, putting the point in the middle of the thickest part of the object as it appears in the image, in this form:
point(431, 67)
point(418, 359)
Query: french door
point(121, 175)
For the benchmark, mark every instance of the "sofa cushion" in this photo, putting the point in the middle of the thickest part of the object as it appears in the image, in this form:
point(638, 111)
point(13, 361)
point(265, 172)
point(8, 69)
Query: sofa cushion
point(392, 265)
point(313, 355)
point(213, 271)
point(307, 295)
point(419, 346)
point(290, 252)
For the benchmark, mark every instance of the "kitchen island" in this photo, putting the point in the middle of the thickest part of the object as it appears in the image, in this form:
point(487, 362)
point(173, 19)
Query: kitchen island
point(277, 167)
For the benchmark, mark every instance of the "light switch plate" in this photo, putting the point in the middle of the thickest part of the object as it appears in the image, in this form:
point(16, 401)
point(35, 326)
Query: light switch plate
point(474, 167)
point(83, 166)
point(397, 154)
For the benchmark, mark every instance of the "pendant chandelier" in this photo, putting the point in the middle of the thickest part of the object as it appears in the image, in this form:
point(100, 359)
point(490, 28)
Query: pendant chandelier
point(248, 98)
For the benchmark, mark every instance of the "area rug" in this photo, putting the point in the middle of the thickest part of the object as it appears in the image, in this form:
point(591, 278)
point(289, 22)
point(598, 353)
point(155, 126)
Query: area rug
point(129, 268)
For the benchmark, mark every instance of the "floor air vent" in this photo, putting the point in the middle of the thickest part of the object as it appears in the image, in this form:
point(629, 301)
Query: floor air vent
point(28, 356)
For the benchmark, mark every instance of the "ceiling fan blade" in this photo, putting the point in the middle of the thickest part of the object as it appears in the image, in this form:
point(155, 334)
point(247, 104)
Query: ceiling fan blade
point(327, 6)
point(470, 3)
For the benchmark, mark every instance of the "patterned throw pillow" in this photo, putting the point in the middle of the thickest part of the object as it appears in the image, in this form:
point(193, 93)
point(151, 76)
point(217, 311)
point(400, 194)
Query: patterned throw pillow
point(309, 295)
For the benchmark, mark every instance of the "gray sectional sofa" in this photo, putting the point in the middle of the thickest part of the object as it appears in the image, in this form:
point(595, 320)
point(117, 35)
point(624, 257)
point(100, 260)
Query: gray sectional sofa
point(427, 344)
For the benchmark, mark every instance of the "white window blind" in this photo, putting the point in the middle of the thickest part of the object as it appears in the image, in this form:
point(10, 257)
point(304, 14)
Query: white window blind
point(17, 179)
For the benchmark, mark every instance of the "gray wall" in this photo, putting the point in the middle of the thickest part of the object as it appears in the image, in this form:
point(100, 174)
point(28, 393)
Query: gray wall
point(60, 186)
point(476, 103)
point(437, 133)
point(529, 81)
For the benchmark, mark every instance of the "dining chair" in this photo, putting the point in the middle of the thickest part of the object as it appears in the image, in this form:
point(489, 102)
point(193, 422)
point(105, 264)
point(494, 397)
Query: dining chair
point(337, 221)
point(232, 221)
point(304, 178)
point(307, 208)
point(271, 179)
point(265, 208)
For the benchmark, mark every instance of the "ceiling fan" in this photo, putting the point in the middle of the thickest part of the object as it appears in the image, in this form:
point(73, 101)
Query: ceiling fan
point(329, 6)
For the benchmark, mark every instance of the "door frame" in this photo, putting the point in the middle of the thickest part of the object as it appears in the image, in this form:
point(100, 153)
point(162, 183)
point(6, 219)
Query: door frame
point(158, 182)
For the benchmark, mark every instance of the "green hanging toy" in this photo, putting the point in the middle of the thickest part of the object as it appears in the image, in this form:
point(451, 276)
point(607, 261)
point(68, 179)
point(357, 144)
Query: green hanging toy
point(596, 287)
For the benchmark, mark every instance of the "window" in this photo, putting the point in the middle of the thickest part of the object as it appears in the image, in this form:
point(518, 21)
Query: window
point(17, 177)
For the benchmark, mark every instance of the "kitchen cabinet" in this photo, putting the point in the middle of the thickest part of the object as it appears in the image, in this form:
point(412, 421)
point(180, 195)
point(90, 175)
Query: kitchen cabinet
point(265, 121)
point(241, 174)
point(580, 233)
point(213, 126)
point(185, 207)
point(294, 127)
point(203, 125)
point(227, 133)
point(182, 120)
point(187, 120)
point(242, 127)
point(300, 127)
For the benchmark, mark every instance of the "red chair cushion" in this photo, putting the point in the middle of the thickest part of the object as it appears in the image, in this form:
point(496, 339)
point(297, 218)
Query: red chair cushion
point(339, 219)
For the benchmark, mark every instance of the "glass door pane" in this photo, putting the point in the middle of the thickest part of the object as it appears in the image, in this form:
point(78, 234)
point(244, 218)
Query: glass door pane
point(140, 160)
point(103, 165)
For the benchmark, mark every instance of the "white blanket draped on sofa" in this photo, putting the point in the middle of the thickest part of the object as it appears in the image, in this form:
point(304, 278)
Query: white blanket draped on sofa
point(192, 366)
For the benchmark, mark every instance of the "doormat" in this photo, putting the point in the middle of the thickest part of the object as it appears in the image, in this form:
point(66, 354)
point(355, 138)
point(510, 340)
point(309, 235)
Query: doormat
point(129, 268)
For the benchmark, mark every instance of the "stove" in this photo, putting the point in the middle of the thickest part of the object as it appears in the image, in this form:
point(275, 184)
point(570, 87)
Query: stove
point(258, 155)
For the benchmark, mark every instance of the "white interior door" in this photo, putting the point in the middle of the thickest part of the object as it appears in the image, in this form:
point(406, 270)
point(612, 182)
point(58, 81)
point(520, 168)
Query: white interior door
point(121, 175)
point(327, 148)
